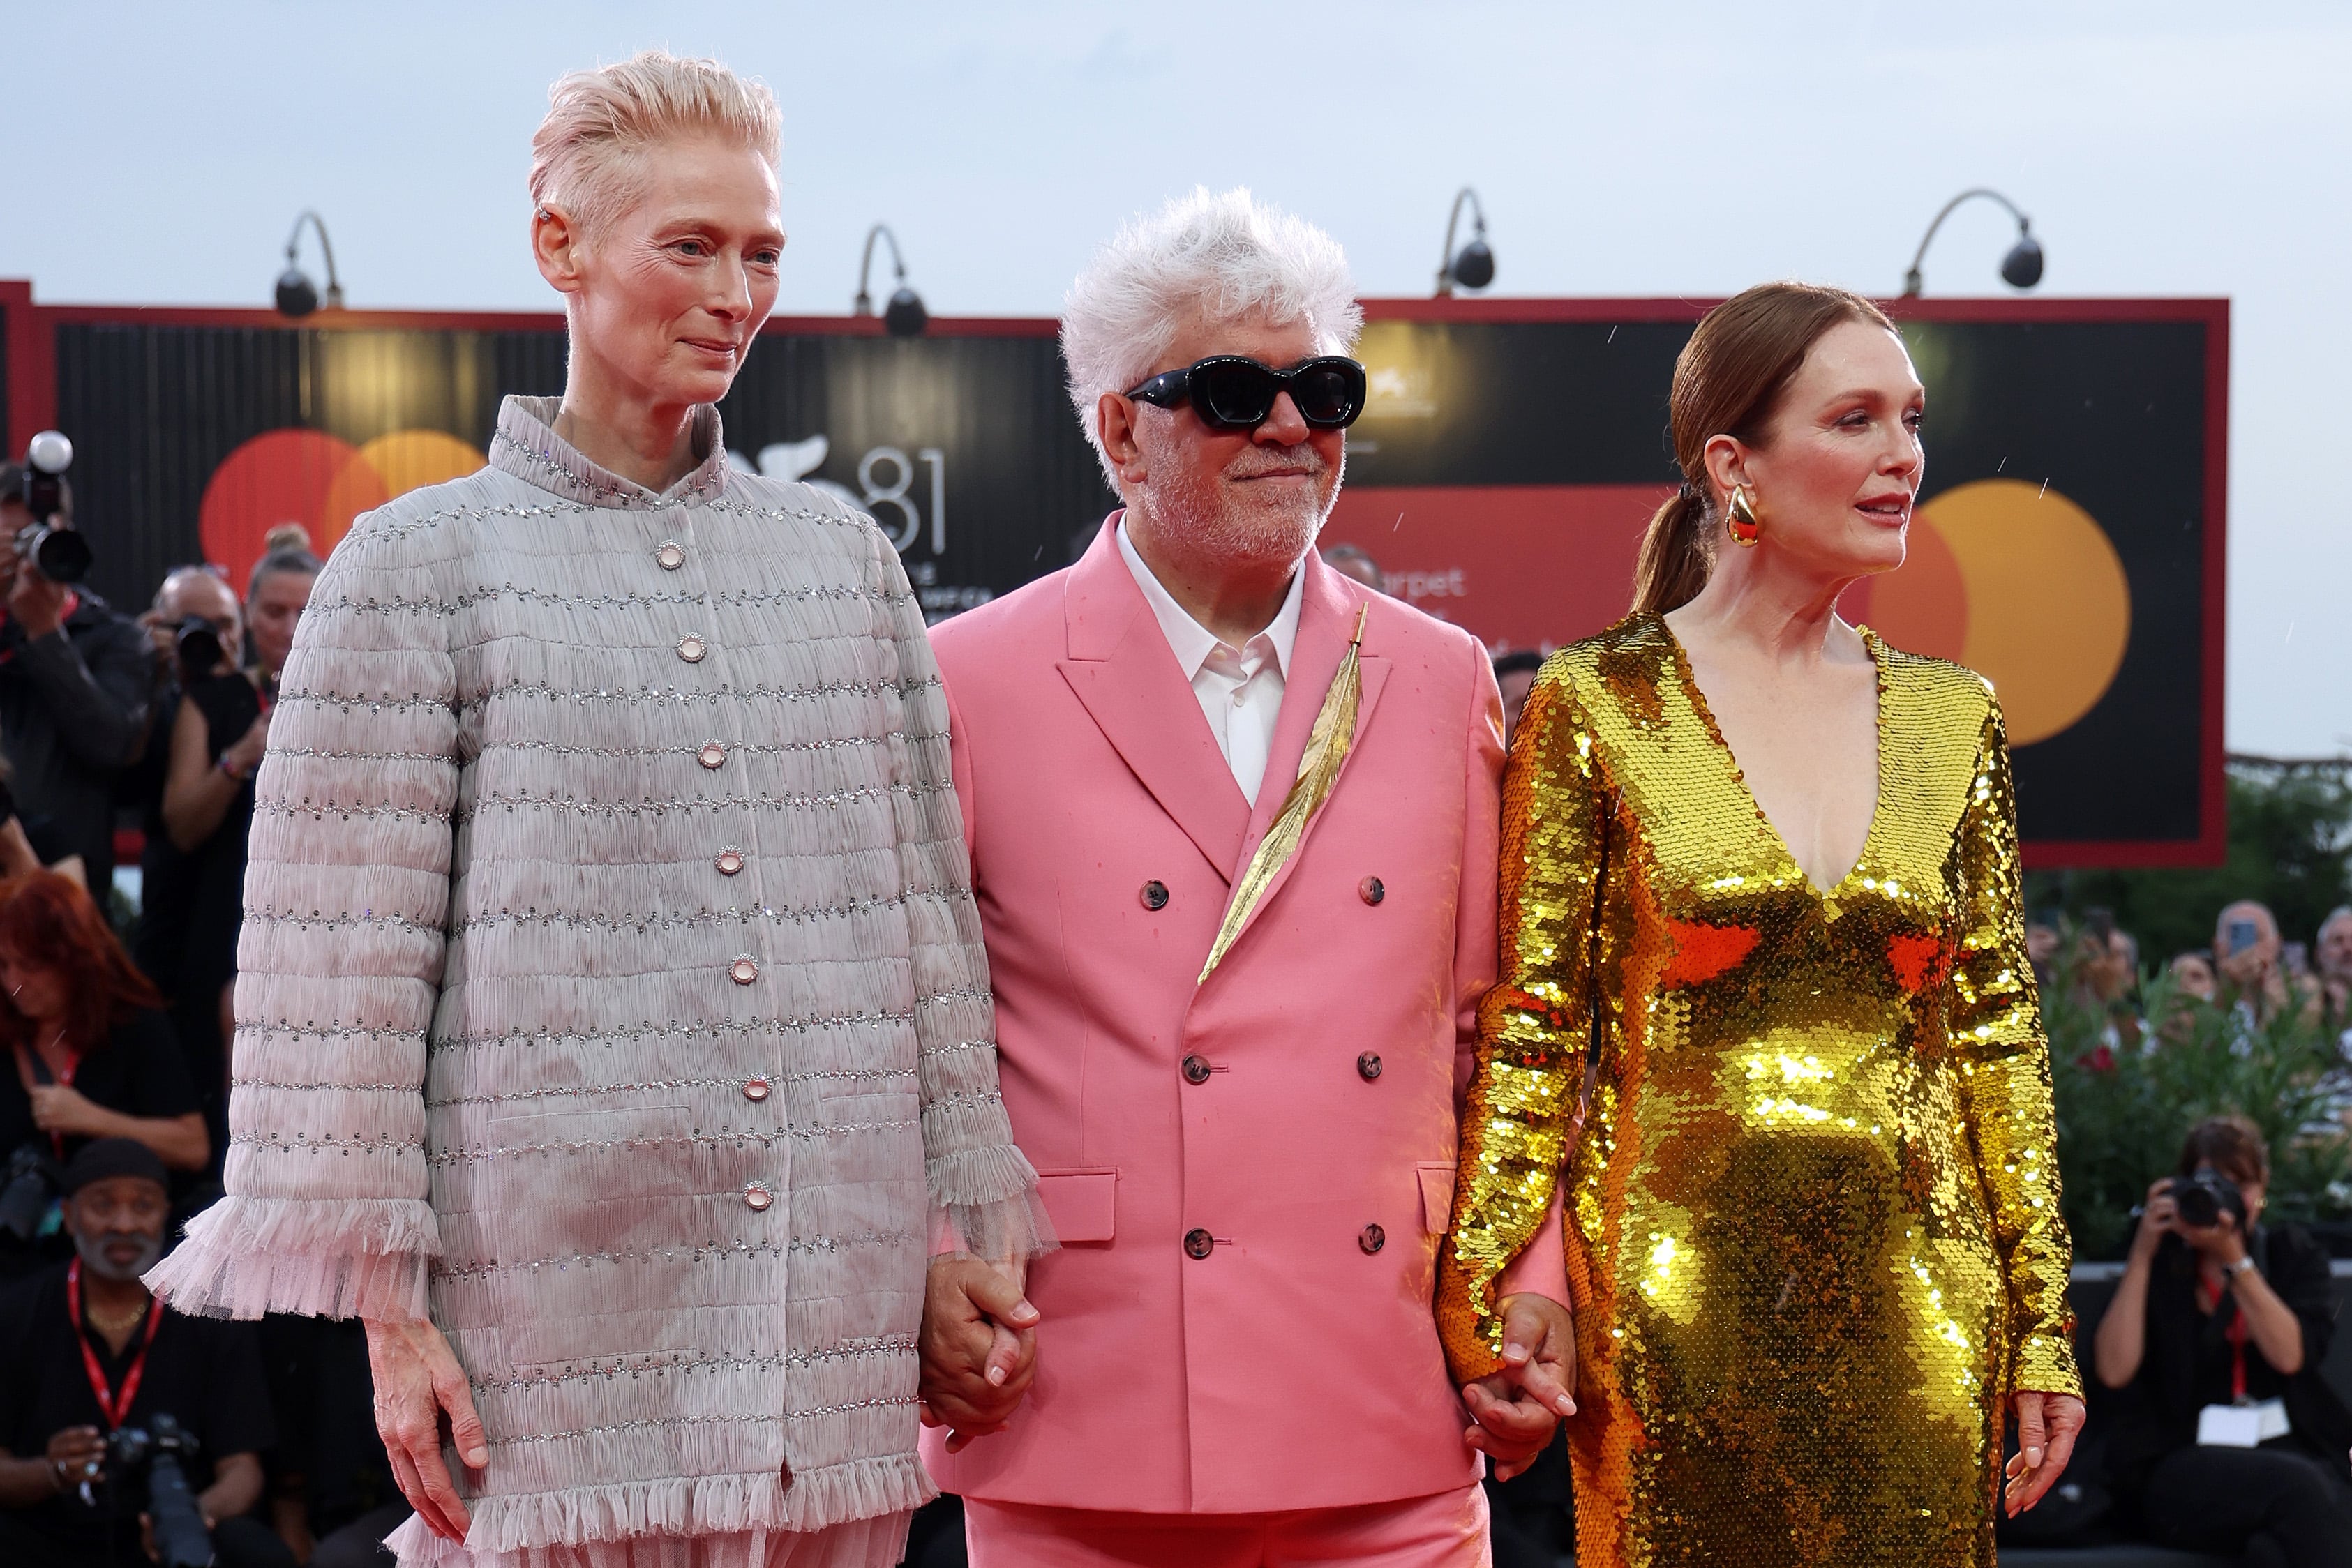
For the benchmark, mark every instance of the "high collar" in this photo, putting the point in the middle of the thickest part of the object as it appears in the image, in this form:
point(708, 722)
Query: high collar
point(527, 446)
point(1193, 642)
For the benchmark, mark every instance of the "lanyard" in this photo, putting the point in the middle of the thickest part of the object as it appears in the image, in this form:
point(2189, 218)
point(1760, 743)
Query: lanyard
point(110, 1407)
point(2235, 1333)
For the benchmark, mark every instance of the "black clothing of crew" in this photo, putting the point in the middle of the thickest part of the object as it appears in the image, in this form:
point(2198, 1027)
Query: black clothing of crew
point(205, 1372)
point(137, 1071)
point(73, 715)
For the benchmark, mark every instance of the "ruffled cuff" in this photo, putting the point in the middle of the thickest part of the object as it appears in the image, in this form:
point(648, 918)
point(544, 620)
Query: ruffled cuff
point(337, 1257)
point(986, 1200)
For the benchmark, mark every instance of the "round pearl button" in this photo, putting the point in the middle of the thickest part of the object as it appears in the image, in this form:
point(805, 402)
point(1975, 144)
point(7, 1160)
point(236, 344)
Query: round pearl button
point(712, 755)
point(670, 556)
point(743, 971)
point(758, 1197)
point(1199, 1244)
point(691, 650)
point(730, 861)
point(755, 1088)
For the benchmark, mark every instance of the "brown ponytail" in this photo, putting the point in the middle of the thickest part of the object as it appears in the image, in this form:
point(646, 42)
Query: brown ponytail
point(1727, 382)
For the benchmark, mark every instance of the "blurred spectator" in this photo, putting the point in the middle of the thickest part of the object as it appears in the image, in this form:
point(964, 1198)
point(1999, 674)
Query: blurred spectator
point(94, 1353)
point(93, 1058)
point(2331, 960)
point(74, 685)
point(2234, 1314)
point(1354, 561)
point(2252, 983)
point(2194, 976)
point(2042, 940)
point(2106, 971)
point(1515, 672)
point(275, 596)
point(332, 1496)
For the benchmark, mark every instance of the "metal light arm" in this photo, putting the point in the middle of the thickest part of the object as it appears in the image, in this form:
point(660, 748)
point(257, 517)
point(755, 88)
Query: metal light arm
point(864, 305)
point(334, 299)
point(1912, 280)
point(1453, 220)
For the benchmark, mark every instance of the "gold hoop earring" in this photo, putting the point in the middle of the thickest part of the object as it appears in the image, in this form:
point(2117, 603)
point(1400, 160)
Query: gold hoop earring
point(1740, 520)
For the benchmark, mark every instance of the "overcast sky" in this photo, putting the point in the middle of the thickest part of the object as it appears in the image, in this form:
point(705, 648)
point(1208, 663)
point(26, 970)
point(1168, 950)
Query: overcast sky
point(157, 154)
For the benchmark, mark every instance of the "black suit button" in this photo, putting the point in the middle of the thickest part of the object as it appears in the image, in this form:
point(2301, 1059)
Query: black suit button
point(1371, 889)
point(1199, 1244)
point(1155, 894)
point(1371, 1238)
point(1367, 1066)
point(1196, 1069)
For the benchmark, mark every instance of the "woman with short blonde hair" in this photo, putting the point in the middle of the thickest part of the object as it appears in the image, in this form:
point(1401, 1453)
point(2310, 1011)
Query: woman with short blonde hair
point(613, 1026)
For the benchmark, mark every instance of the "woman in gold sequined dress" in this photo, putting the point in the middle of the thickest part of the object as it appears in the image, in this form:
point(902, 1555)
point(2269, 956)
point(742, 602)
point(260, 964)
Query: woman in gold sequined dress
point(1760, 892)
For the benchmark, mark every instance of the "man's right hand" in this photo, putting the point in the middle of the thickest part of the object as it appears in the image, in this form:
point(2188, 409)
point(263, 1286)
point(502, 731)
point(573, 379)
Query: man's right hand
point(978, 1348)
point(419, 1387)
point(76, 1454)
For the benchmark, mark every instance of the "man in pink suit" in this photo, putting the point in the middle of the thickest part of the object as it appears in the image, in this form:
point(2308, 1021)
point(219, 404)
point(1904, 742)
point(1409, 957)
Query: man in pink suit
point(1245, 1145)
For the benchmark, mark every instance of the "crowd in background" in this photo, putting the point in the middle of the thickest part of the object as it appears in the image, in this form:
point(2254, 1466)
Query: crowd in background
point(141, 735)
point(133, 739)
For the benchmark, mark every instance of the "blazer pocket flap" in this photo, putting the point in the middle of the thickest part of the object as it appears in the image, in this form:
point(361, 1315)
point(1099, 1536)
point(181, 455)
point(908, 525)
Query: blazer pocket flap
point(1080, 1202)
point(1436, 1198)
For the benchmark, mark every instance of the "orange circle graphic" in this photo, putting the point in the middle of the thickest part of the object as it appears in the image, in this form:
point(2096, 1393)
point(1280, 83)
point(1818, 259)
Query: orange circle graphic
point(319, 481)
point(2045, 605)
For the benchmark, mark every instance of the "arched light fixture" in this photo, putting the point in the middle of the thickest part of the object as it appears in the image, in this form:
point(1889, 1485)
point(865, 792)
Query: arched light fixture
point(904, 316)
point(2020, 268)
point(297, 295)
point(1473, 266)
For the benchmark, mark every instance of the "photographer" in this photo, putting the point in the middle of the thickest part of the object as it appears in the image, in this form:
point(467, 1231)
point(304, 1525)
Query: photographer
point(92, 1055)
point(2226, 1434)
point(96, 1364)
point(74, 683)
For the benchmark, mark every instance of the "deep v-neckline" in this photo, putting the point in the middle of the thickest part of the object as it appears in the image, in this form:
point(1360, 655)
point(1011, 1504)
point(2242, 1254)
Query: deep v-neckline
point(1877, 653)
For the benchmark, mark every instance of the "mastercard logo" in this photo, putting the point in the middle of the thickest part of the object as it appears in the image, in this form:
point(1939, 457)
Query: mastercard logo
point(319, 481)
point(2020, 584)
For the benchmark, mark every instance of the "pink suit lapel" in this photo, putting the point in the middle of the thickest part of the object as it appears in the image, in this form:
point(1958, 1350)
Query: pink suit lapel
point(1122, 671)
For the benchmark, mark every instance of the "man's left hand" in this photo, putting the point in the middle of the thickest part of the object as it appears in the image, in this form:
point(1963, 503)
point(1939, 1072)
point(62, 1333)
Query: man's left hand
point(1516, 1411)
point(979, 1346)
point(2047, 1426)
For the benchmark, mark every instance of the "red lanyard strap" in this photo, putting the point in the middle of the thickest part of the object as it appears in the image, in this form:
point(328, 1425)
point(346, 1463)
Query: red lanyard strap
point(112, 1408)
point(2234, 1332)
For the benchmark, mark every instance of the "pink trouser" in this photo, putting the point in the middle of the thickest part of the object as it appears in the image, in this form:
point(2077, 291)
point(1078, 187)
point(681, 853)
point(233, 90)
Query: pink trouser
point(1446, 1531)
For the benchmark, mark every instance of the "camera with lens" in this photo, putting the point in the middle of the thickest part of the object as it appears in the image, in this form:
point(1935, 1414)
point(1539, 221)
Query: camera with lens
point(2201, 1199)
point(28, 1183)
point(199, 647)
point(154, 1452)
point(50, 541)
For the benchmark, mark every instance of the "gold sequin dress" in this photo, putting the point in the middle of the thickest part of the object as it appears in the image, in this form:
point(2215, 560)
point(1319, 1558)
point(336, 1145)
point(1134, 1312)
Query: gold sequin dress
point(1813, 1217)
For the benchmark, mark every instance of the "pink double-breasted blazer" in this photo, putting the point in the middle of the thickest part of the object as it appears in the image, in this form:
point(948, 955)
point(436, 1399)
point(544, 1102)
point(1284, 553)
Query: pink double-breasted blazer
point(1296, 1113)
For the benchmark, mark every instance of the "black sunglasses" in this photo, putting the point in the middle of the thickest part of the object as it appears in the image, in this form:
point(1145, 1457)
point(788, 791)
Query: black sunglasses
point(1231, 393)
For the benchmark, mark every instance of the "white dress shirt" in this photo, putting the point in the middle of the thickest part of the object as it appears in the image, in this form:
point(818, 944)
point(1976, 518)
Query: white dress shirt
point(1240, 689)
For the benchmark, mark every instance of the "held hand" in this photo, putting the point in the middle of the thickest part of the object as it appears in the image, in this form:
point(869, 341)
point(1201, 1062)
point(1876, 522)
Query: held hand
point(419, 1389)
point(979, 1346)
point(1515, 1412)
point(2222, 1242)
point(63, 1108)
point(2047, 1426)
